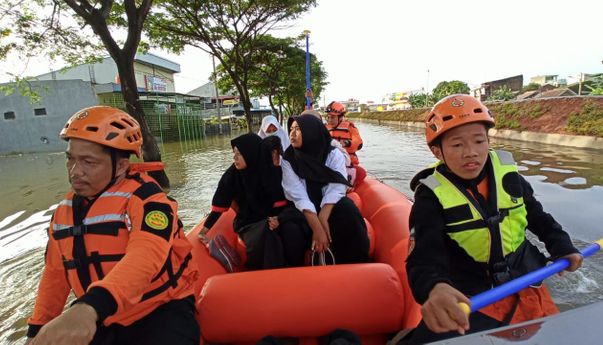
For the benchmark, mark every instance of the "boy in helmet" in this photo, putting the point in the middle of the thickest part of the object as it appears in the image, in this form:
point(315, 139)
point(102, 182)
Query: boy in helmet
point(115, 240)
point(469, 219)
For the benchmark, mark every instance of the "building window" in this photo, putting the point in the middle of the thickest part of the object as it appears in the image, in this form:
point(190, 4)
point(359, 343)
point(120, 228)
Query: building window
point(9, 115)
point(40, 111)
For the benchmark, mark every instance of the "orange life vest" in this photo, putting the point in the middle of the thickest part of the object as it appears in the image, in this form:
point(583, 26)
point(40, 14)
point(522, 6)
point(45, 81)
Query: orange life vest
point(533, 303)
point(346, 130)
point(129, 241)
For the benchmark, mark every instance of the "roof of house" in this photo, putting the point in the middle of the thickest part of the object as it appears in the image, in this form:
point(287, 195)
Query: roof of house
point(520, 76)
point(527, 94)
point(156, 60)
point(561, 92)
point(209, 90)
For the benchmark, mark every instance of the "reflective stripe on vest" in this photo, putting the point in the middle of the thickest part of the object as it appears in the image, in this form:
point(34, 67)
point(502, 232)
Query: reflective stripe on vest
point(464, 221)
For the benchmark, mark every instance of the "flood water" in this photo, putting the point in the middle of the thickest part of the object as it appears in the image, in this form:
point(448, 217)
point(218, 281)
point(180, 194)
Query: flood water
point(568, 182)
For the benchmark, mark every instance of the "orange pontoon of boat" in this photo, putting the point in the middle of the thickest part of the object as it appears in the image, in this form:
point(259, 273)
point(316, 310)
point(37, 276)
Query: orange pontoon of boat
point(372, 300)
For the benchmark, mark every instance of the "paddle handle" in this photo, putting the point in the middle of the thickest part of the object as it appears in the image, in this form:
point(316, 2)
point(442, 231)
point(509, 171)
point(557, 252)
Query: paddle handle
point(496, 294)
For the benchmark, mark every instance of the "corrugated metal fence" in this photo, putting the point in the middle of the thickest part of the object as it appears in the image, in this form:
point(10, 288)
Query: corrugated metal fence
point(170, 121)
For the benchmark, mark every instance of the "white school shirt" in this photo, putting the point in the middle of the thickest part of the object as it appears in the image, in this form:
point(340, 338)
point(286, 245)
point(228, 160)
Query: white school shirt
point(295, 186)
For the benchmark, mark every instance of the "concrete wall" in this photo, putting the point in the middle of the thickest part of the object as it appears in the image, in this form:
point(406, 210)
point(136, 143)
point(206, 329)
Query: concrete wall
point(31, 133)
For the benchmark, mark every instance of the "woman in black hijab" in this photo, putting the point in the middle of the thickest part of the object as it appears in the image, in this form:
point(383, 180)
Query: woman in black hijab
point(253, 182)
point(313, 179)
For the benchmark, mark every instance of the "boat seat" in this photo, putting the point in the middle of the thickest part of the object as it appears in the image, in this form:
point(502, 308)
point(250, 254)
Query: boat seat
point(301, 302)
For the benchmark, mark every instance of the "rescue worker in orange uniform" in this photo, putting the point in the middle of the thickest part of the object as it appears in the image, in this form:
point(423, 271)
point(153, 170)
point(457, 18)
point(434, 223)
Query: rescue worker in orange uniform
point(343, 130)
point(115, 240)
point(471, 212)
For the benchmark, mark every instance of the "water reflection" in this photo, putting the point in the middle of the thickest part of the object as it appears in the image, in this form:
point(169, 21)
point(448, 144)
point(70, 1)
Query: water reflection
point(558, 164)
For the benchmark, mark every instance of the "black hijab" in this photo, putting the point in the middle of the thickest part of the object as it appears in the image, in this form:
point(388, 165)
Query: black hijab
point(308, 161)
point(250, 146)
point(271, 175)
point(256, 187)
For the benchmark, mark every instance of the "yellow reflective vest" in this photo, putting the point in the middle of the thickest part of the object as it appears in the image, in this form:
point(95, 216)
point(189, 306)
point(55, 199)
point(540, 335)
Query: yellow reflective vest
point(466, 222)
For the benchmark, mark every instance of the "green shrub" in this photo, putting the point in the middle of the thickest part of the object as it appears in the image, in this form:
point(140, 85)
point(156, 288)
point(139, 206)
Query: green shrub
point(506, 115)
point(589, 121)
point(536, 110)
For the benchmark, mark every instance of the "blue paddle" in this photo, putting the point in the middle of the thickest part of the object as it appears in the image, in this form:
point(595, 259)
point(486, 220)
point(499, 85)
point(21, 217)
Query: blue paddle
point(488, 297)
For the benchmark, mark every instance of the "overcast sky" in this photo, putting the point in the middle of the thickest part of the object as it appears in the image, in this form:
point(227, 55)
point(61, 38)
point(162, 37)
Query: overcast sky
point(370, 48)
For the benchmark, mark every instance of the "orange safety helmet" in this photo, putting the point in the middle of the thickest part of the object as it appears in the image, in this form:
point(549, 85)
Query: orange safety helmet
point(106, 126)
point(454, 111)
point(335, 108)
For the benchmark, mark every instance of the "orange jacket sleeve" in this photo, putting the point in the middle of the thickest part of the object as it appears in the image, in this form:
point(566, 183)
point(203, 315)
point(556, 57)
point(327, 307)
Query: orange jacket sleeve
point(356, 139)
point(52, 290)
point(147, 250)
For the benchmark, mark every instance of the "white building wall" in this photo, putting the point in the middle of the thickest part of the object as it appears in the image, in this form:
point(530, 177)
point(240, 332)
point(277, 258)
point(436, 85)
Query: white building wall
point(148, 76)
point(99, 73)
point(152, 78)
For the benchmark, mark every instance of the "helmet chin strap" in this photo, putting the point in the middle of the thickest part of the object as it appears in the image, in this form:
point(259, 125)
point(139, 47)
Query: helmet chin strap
point(113, 174)
point(442, 151)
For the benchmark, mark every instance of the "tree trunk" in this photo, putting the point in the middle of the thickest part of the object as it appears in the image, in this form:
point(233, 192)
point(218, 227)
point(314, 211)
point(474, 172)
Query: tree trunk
point(244, 98)
point(278, 116)
point(281, 115)
point(247, 107)
point(129, 91)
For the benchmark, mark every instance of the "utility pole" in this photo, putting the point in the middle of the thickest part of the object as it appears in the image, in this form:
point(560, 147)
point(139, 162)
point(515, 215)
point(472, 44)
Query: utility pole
point(308, 85)
point(427, 91)
point(580, 84)
point(218, 103)
point(213, 62)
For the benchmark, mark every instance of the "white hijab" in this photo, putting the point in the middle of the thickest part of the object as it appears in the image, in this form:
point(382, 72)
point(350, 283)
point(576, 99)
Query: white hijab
point(280, 132)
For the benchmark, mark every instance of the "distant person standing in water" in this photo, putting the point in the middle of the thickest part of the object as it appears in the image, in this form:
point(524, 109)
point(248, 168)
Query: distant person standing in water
point(116, 242)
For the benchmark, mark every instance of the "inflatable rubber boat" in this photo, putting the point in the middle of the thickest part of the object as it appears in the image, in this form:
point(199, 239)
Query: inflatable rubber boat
point(372, 300)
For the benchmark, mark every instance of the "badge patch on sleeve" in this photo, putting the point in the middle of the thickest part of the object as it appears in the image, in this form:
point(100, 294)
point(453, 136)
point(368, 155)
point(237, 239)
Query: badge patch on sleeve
point(158, 219)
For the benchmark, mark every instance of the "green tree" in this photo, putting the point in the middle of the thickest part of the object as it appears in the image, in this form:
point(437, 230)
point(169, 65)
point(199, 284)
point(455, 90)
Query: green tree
point(79, 31)
point(503, 93)
point(228, 29)
point(293, 94)
point(279, 75)
point(421, 100)
point(596, 85)
point(447, 88)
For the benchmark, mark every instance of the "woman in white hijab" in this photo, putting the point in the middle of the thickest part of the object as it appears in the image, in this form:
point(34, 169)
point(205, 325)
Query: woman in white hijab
point(270, 126)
